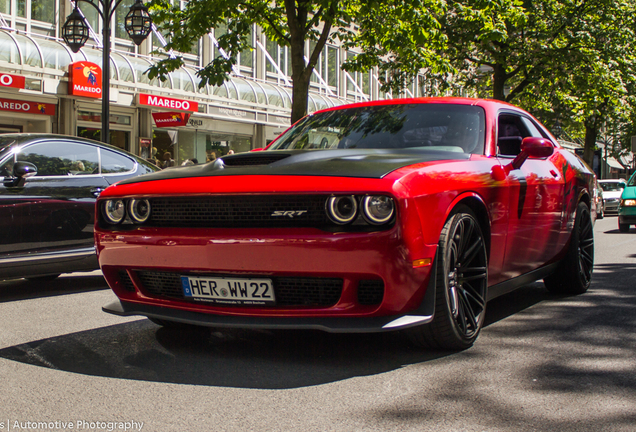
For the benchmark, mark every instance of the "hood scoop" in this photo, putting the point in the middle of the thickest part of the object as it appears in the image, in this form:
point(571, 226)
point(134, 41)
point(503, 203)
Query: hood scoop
point(251, 159)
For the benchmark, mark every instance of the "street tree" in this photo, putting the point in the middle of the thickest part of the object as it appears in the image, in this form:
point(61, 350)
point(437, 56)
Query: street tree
point(571, 55)
point(289, 23)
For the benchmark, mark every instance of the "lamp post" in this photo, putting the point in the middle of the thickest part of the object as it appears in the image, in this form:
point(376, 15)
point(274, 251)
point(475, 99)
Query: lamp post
point(557, 129)
point(75, 31)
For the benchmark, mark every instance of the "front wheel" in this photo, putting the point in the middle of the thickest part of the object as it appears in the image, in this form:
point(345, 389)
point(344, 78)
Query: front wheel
point(461, 285)
point(574, 274)
point(623, 227)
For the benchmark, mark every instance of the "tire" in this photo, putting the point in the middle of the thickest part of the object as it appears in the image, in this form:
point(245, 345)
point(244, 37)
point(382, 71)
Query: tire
point(623, 227)
point(460, 288)
point(574, 274)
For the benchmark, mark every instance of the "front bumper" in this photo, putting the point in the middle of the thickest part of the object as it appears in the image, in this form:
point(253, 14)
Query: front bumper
point(422, 315)
point(291, 253)
point(627, 215)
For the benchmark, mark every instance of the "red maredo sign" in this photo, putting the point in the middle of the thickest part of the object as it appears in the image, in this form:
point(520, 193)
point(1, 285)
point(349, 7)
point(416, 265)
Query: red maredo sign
point(27, 107)
point(85, 79)
point(170, 119)
point(166, 102)
point(15, 81)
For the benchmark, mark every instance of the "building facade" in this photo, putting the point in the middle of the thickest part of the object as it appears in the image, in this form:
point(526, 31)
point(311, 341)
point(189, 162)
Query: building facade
point(149, 117)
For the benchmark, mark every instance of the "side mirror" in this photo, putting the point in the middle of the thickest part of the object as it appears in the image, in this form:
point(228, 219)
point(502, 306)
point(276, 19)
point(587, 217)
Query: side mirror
point(21, 171)
point(537, 147)
point(533, 147)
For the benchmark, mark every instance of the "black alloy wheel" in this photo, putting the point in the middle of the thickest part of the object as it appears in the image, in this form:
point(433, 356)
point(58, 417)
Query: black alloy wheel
point(574, 274)
point(461, 285)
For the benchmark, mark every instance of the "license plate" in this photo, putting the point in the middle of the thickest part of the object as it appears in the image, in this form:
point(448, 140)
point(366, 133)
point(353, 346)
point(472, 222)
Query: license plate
point(229, 291)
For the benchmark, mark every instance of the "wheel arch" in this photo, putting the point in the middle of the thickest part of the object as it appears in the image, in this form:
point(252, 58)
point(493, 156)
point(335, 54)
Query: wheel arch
point(478, 206)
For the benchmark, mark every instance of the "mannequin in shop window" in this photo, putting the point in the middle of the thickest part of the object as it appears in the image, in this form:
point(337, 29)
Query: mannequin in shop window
point(167, 160)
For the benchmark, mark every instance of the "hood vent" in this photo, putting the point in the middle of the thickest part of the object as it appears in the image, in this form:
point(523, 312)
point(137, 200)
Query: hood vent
point(250, 159)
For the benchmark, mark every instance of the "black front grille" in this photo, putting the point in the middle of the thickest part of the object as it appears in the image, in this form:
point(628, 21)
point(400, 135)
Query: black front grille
point(125, 280)
point(307, 291)
point(161, 284)
point(249, 211)
point(289, 291)
point(370, 292)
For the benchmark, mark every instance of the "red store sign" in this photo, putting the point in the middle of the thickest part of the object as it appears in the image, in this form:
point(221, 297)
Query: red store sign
point(85, 79)
point(15, 81)
point(27, 107)
point(166, 102)
point(170, 119)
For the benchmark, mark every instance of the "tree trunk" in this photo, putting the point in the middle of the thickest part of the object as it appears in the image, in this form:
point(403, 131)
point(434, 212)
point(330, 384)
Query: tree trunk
point(591, 131)
point(300, 95)
point(499, 82)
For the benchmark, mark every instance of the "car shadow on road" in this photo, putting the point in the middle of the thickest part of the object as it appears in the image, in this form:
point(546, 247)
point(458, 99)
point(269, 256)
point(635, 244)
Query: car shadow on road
point(22, 289)
point(141, 350)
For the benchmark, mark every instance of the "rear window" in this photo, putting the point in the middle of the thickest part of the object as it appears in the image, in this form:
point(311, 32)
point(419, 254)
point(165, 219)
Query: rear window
point(115, 163)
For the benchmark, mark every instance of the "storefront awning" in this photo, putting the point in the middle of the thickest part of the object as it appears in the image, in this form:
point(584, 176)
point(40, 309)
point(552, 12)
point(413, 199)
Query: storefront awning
point(614, 163)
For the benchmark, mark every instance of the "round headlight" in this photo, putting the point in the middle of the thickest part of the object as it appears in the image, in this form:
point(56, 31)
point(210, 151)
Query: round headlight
point(114, 211)
point(342, 209)
point(378, 209)
point(629, 203)
point(139, 210)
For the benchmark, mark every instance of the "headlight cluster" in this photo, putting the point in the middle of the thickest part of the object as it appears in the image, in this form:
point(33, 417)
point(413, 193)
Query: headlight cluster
point(115, 211)
point(375, 209)
point(628, 203)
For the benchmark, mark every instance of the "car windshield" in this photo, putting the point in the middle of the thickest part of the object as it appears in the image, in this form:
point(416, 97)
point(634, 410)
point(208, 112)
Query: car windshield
point(445, 127)
point(612, 186)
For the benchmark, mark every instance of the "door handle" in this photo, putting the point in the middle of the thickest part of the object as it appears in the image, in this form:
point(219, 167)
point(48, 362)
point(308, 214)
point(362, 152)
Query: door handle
point(554, 174)
point(96, 191)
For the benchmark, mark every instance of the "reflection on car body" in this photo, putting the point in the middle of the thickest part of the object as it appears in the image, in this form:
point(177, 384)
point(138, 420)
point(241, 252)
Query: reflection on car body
point(407, 215)
point(47, 200)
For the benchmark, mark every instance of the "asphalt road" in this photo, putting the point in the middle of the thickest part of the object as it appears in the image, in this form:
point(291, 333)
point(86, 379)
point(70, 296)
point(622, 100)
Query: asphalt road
point(542, 363)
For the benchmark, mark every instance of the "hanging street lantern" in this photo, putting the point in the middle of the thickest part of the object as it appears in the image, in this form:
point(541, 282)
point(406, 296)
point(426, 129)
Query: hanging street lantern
point(75, 30)
point(75, 33)
point(138, 23)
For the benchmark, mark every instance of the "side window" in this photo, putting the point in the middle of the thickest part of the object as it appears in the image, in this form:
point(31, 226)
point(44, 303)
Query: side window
point(511, 130)
point(6, 170)
point(57, 158)
point(113, 162)
point(532, 128)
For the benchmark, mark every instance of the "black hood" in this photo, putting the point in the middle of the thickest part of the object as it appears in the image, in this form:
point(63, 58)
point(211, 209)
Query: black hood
point(361, 163)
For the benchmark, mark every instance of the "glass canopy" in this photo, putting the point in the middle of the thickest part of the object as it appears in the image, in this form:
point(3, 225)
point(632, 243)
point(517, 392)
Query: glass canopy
point(39, 52)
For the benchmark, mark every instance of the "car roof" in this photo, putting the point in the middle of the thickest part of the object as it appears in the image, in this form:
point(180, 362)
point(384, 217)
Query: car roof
point(486, 103)
point(28, 138)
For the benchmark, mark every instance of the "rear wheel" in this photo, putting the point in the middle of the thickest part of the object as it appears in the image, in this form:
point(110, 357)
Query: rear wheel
point(623, 227)
point(574, 274)
point(461, 285)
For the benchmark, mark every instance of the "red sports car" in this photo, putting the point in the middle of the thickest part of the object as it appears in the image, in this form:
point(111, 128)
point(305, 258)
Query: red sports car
point(390, 215)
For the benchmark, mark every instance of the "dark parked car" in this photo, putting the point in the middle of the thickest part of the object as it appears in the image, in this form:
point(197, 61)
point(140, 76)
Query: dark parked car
point(403, 214)
point(47, 201)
